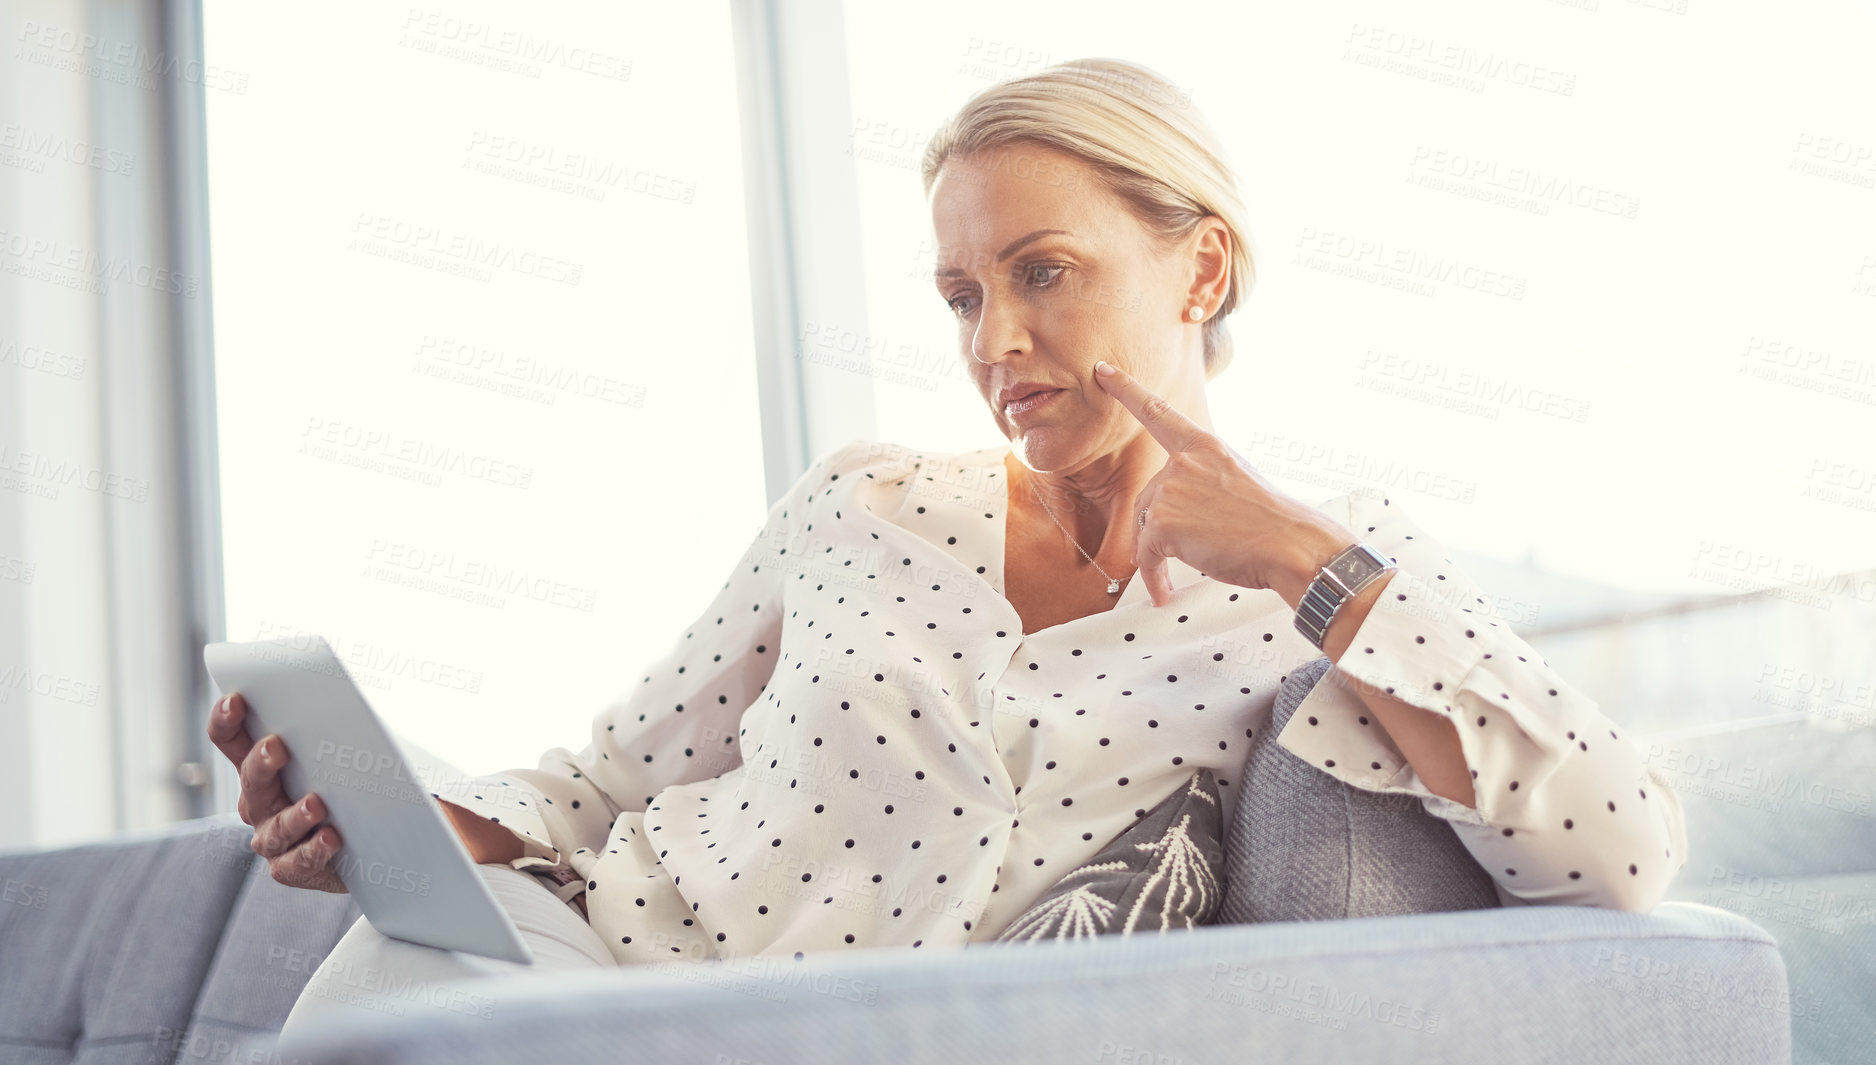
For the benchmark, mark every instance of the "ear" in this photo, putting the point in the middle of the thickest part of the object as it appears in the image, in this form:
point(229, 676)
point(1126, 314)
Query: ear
point(1211, 261)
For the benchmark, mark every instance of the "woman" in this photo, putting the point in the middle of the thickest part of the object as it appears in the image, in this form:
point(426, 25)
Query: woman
point(935, 684)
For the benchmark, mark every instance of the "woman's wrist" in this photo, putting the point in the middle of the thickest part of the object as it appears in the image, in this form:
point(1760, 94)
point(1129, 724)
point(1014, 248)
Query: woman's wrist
point(1314, 548)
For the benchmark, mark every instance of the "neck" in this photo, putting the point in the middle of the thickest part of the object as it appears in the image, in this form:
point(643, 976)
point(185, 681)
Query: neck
point(1094, 501)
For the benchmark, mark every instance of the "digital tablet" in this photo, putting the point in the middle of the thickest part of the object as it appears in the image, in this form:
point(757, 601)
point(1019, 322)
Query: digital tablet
point(398, 856)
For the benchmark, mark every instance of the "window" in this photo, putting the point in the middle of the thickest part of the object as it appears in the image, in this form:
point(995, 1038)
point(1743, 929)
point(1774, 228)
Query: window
point(487, 400)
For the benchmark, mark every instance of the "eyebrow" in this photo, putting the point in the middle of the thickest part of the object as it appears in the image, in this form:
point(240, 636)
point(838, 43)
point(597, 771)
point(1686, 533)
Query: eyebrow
point(1011, 249)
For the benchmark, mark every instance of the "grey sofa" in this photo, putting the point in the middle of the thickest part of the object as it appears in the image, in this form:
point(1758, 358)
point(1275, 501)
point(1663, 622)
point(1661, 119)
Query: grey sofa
point(178, 946)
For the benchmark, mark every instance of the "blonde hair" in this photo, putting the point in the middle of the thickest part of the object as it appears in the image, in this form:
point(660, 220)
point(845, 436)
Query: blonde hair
point(1144, 142)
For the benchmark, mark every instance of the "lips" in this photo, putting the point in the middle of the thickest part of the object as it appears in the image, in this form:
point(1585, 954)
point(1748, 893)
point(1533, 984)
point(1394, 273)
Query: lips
point(1022, 390)
point(1034, 405)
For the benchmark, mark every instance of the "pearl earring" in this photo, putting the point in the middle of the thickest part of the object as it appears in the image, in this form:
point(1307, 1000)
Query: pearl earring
point(1195, 313)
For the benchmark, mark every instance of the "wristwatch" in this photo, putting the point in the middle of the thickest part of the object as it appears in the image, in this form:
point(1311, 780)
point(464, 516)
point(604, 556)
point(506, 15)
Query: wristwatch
point(561, 881)
point(1339, 580)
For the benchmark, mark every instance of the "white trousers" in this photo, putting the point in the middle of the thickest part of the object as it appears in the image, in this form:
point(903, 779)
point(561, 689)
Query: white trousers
point(371, 974)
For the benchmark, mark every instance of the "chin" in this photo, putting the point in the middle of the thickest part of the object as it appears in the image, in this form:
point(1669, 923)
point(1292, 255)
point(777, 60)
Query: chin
point(1048, 448)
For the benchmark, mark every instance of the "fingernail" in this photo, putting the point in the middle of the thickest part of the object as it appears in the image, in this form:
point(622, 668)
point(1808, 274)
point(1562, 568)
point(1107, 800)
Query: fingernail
point(1103, 368)
point(267, 751)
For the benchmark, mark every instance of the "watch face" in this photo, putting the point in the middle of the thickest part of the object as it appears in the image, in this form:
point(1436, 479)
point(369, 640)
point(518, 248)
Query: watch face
point(1353, 567)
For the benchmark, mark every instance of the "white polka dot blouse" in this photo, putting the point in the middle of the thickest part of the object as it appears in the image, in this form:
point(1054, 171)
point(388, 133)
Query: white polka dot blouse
point(856, 745)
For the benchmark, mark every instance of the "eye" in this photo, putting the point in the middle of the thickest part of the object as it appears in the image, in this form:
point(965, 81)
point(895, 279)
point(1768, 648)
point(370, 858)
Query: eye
point(1029, 270)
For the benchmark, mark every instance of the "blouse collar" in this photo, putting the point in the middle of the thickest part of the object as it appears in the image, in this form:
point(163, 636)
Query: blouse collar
point(985, 500)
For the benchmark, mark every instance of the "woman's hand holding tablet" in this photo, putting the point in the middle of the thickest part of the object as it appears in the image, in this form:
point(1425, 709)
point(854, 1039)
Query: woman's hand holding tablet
point(299, 849)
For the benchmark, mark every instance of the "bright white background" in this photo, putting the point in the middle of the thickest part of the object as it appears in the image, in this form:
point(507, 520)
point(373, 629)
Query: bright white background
point(1743, 138)
point(1645, 322)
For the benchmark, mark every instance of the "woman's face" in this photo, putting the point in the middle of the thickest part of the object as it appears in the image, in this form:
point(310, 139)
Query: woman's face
point(1047, 273)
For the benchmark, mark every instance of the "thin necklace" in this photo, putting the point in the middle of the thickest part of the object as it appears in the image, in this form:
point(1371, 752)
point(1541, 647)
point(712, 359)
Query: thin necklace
point(1113, 585)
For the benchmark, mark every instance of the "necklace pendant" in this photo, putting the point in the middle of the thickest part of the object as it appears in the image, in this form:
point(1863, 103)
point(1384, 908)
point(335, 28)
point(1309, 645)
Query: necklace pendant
point(1113, 586)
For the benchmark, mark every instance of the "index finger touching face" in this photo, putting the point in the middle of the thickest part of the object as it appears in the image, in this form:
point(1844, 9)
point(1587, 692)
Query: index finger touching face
point(1173, 430)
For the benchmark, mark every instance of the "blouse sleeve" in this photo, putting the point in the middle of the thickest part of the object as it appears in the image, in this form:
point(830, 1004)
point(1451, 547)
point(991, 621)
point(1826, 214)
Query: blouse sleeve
point(1568, 810)
point(678, 724)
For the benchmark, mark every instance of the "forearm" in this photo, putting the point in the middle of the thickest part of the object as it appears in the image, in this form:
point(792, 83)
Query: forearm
point(487, 842)
point(1564, 809)
point(1428, 742)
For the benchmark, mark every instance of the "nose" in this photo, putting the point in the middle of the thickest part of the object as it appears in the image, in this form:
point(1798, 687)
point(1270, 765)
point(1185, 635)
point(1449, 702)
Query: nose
point(1000, 331)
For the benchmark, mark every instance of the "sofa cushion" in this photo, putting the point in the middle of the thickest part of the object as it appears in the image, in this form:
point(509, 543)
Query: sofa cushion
point(1162, 873)
point(276, 938)
point(1779, 831)
point(1304, 846)
point(105, 946)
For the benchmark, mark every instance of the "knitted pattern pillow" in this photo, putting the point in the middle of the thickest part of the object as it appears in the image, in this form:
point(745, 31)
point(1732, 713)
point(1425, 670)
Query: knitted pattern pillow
point(1163, 873)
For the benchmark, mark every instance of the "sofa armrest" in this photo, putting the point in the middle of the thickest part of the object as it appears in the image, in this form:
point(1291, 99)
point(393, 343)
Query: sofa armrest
point(1684, 983)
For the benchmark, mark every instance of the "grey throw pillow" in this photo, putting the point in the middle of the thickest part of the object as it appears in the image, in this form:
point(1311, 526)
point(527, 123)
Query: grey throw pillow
point(1163, 873)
